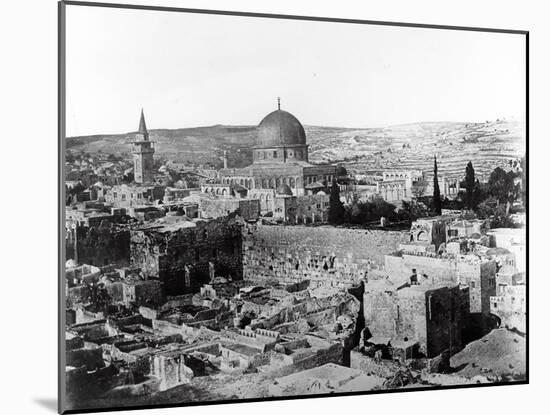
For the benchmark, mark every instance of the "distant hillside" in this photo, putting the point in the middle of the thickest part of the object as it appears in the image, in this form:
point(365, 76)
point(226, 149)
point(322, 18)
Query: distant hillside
point(410, 146)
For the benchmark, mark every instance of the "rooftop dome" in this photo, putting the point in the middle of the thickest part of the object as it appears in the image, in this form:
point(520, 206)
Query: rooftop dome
point(71, 263)
point(284, 189)
point(280, 128)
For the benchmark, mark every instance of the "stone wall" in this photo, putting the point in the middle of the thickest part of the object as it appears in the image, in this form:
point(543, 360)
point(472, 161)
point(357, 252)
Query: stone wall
point(171, 370)
point(183, 259)
point(383, 368)
point(102, 245)
point(325, 255)
point(303, 359)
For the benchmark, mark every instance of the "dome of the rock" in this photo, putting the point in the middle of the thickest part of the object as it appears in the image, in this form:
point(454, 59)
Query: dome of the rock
point(280, 128)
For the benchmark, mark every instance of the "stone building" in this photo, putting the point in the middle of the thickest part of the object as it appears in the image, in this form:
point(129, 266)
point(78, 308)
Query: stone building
point(126, 195)
point(174, 194)
point(217, 207)
point(514, 240)
point(430, 231)
point(510, 306)
point(140, 292)
point(280, 157)
point(469, 270)
point(309, 208)
point(396, 185)
point(171, 369)
point(184, 255)
point(433, 315)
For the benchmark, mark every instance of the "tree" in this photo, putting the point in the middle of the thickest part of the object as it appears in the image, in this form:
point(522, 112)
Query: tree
point(487, 208)
point(76, 189)
point(419, 188)
point(336, 208)
point(478, 194)
point(436, 194)
point(413, 210)
point(492, 209)
point(362, 213)
point(470, 183)
point(501, 186)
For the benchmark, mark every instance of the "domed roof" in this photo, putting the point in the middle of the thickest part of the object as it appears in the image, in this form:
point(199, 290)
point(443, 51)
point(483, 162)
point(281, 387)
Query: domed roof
point(71, 263)
point(284, 189)
point(280, 128)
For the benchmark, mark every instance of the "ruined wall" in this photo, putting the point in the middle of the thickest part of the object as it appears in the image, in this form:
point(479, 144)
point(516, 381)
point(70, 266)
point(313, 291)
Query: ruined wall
point(325, 255)
point(171, 370)
point(303, 359)
point(383, 368)
point(102, 245)
point(181, 258)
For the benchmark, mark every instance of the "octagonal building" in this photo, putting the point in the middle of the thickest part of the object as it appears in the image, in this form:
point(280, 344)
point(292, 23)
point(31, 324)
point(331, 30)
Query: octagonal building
point(280, 157)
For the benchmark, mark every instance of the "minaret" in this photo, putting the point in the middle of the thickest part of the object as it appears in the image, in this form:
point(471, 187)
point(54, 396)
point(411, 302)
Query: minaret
point(436, 192)
point(143, 151)
point(225, 159)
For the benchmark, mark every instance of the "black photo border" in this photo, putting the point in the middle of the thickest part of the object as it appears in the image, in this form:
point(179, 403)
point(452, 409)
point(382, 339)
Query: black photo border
point(61, 195)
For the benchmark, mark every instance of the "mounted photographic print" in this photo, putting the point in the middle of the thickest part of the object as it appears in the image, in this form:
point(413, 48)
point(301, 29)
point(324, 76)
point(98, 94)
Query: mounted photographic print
point(261, 207)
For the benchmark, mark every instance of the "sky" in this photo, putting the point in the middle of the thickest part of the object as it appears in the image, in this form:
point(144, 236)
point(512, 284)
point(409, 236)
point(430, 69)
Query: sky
point(189, 70)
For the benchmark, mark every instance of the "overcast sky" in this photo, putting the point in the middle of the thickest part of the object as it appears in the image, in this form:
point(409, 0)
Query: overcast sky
point(190, 70)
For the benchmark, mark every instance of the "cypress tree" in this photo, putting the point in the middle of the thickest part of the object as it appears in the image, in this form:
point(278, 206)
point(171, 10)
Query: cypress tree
point(437, 194)
point(470, 185)
point(336, 208)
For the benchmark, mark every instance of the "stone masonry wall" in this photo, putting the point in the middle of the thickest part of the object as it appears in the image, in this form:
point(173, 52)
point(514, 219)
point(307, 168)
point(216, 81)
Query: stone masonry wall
point(181, 259)
point(325, 255)
point(102, 245)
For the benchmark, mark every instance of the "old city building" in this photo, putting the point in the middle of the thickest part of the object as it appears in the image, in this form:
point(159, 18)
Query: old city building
point(432, 315)
point(280, 157)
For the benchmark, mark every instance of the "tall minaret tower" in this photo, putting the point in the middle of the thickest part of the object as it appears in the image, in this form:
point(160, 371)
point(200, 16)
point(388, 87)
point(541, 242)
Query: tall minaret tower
point(143, 151)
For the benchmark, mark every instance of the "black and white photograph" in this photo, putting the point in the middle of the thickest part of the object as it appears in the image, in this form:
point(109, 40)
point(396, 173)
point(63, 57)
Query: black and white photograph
point(264, 207)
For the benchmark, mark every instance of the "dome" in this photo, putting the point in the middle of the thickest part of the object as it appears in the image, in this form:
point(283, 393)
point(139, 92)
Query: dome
point(284, 189)
point(280, 128)
point(71, 263)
